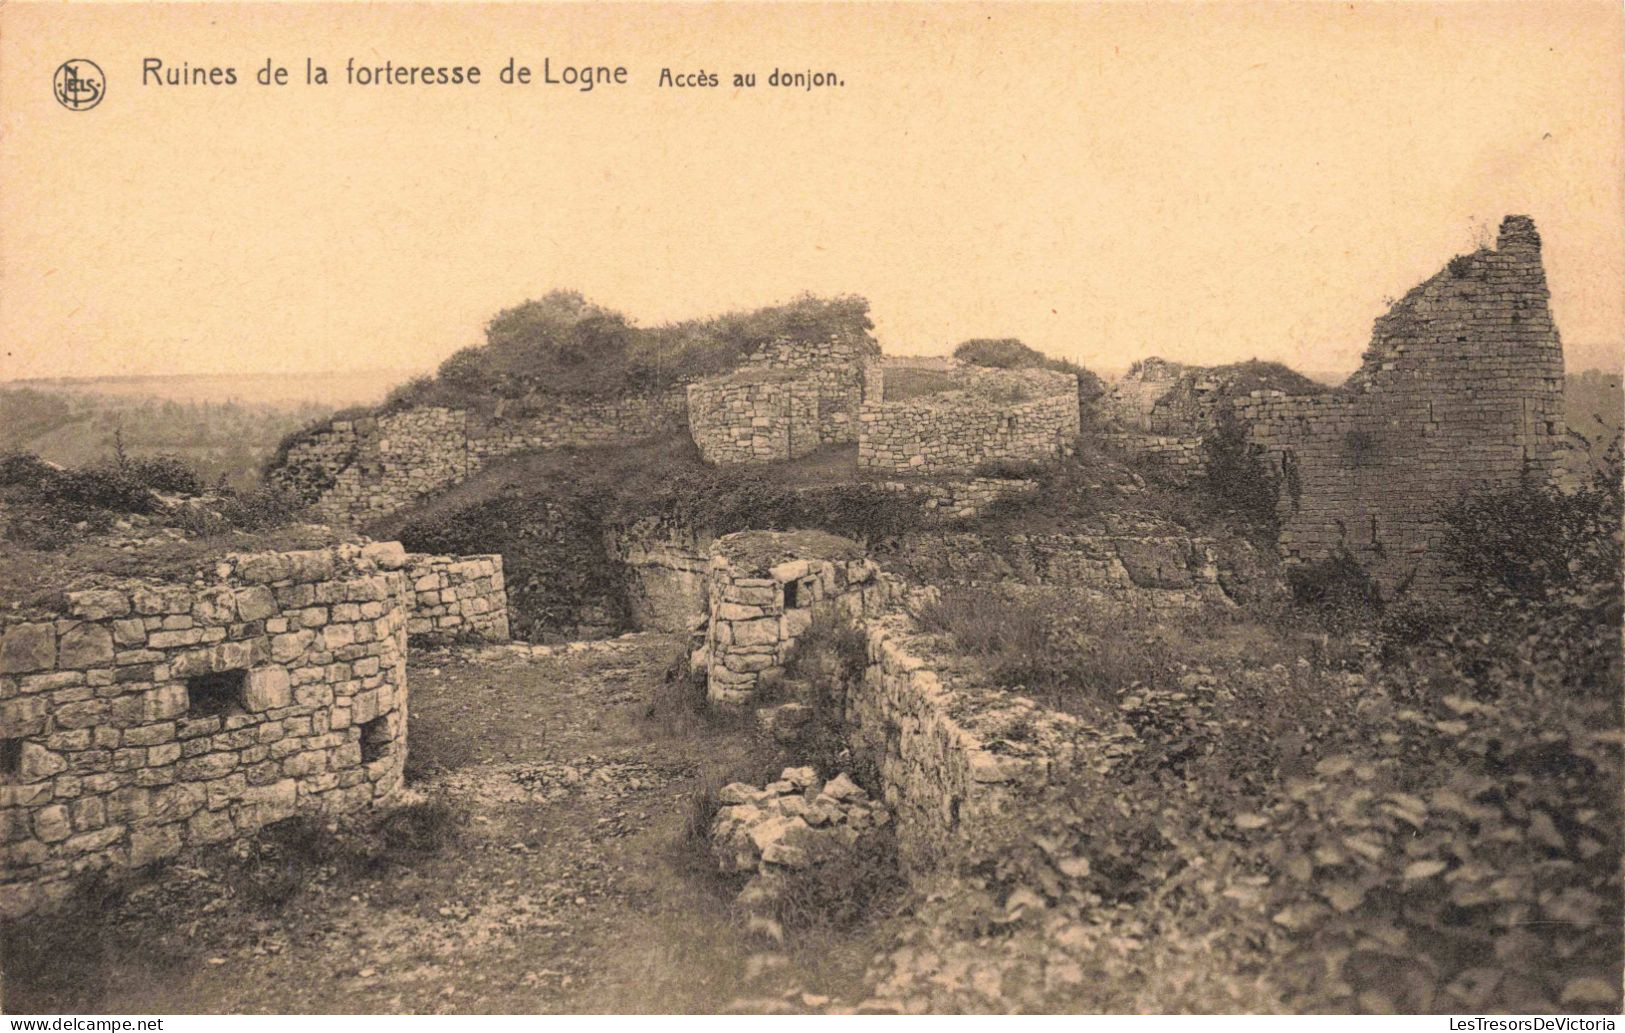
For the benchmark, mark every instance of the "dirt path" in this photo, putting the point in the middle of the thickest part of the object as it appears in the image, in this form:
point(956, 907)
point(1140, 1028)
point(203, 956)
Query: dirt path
point(569, 888)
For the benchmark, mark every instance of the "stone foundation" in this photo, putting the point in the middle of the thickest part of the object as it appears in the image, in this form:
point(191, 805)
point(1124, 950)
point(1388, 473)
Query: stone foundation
point(962, 498)
point(999, 415)
point(765, 587)
point(151, 717)
point(457, 597)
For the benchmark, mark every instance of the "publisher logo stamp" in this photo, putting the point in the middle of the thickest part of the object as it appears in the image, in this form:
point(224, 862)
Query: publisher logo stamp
point(79, 84)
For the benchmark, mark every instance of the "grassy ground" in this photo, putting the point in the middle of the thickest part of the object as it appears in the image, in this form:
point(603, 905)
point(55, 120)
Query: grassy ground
point(554, 875)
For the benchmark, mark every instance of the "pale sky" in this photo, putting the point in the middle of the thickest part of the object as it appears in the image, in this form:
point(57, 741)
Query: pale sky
point(1204, 182)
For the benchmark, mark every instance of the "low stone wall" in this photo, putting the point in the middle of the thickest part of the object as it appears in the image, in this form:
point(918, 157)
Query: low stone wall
point(457, 597)
point(1001, 414)
point(765, 587)
point(366, 468)
point(955, 760)
point(150, 717)
point(1179, 459)
point(1138, 562)
point(965, 498)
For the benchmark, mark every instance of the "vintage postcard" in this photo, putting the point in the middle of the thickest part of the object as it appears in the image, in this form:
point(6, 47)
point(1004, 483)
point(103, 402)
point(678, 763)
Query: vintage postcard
point(811, 508)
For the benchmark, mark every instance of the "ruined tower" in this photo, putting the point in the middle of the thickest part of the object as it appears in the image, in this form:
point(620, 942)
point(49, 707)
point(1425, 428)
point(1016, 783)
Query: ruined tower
point(1460, 390)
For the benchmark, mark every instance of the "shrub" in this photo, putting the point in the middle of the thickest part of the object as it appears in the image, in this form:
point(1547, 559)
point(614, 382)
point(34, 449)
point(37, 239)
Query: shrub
point(103, 487)
point(165, 473)
point(830, 647)
point(1535, 541)
point(1069, 658)
point(999, 353)
point(25, 469)
point(1237, 476)
point(842, 887)
point(1010, 353)
point(1340, 592)
point(563, 344)
point(261, 508)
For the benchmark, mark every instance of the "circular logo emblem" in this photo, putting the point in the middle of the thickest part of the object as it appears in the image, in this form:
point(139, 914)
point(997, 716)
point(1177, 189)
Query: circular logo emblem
point(79, 84)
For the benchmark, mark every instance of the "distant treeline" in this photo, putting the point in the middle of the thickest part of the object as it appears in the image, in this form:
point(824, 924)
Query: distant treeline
point(217, 439)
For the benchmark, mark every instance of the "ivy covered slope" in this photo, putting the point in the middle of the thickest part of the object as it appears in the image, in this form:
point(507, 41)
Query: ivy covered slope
point(1348, 803)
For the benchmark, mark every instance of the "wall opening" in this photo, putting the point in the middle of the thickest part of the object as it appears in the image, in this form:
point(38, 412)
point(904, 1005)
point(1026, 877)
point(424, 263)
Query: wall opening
point(11, 759)
point(375, 740)
point(216, 694)
point(792, 594)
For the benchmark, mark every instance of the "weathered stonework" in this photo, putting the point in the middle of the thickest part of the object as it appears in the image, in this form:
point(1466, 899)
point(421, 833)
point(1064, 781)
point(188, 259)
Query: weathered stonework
point(999, 414)
point(765, 587)
point(787, 399)
point(953, 757)
point(362, 469)
point(457, 597)
point(149, 717)
point(754, 417)
point(1181, 460)
point(1132, 561)
point(1462, 389)
point(667, 573)
point(962, 498)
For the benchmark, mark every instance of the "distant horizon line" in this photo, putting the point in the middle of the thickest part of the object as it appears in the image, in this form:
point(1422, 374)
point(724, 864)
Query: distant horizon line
point(421, 370)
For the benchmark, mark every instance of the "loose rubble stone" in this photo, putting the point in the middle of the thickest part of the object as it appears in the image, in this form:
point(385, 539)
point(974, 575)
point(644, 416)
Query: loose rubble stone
point(785, 826)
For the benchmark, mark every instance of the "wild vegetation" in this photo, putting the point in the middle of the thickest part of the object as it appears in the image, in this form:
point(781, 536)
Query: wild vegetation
point(129, 516)
point(563, 344)
point(1422, 814)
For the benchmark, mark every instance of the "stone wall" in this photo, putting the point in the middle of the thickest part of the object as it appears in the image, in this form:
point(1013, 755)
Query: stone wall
point(362, 469)
point(1461, 389)
point(765, 587)
point(1140, 562)
point(955, 759)
point(1180, 460)
point(1000, 414)
point(149, 717)
point(754, 418)
point(456, 597)
point(962, 498)
point(787, 399)
point(839, 369)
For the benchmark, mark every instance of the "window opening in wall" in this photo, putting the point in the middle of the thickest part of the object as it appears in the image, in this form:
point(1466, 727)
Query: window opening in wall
point(216, 694)
point(792, 594)
point(375, 740)
point(11, 759)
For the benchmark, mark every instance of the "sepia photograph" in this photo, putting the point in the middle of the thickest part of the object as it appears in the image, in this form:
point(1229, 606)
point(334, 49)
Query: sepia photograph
point(811, 509)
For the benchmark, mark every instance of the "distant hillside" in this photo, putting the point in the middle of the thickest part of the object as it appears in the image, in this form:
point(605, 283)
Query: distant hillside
point(1594, 404)
point(76, 427)
point(332, 390)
